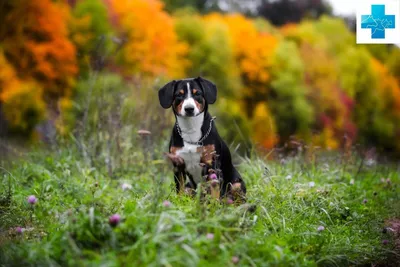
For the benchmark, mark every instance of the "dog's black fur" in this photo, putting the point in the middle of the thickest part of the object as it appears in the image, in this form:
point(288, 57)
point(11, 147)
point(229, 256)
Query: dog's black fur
point(221, 161)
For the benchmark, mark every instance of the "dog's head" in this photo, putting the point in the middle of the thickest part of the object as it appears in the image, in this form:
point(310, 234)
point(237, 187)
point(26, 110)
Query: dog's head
point(188, 97)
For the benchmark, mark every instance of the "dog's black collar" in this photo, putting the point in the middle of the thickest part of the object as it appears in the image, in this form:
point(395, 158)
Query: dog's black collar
point(200, 142)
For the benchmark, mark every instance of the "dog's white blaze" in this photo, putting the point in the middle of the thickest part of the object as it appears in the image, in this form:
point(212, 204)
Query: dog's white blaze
point(189, 101)
point(191, 131)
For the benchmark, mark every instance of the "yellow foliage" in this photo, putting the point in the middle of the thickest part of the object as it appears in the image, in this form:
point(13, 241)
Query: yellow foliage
point(22, 102)
point(152, 47)
point(388, 88)
point(66, 118)
point(326, 139)
point(253, 49)
point(263, 126)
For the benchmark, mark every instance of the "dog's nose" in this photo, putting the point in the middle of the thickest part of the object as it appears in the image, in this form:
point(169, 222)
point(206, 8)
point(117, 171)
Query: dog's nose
point(189, 109)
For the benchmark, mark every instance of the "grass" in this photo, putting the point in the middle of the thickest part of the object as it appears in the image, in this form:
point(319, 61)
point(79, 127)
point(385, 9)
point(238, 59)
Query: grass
point(287, 202)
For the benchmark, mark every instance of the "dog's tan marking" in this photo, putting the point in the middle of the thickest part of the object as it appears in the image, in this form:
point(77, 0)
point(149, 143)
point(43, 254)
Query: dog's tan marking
point(182, 92)
point(200, 106)
point(179, 107)
point(177, 160)
point(194, 91)
point(207, 154)
point(174, 149)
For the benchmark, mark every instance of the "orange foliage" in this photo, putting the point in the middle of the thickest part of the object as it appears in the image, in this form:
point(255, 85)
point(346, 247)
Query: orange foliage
point(22, 102)
point(37, 45)
point(253, 50)
point(388, 87)
point(152, 46)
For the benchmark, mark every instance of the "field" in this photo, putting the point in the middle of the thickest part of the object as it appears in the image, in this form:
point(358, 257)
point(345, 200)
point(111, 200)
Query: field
point(302, 211)
point(84, 179)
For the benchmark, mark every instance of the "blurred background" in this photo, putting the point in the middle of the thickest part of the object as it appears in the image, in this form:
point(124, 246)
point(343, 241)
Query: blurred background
point(288, 72)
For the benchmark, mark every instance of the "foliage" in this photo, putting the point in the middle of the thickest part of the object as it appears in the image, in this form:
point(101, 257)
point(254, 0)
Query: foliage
point(253, 52)
point(152, 47)
point(91, 33)
point(211, 52)
point(263, 126)
point(38, 58)
point(287, 98)
point(23, 106)
point(38, 45)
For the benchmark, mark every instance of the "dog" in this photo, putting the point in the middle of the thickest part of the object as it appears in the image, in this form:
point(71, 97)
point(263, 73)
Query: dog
point(196, 150)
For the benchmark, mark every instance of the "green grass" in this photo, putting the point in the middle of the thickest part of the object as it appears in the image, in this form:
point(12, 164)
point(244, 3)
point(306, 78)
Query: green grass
point(69, 224)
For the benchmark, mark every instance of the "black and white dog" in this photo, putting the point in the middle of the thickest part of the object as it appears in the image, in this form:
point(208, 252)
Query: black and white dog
point(197, 151)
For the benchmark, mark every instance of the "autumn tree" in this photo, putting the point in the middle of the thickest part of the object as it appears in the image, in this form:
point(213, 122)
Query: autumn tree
point(36, 46)
point(211, 52)
point(151, 45)
point(91, 33)
point(287, 97)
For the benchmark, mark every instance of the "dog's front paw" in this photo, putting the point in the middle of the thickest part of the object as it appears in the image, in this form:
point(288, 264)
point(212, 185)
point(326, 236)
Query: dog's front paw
point(175, 159)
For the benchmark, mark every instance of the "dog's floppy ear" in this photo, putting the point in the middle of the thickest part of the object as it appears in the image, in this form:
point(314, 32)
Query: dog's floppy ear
point(209, 89)
point(166, 94)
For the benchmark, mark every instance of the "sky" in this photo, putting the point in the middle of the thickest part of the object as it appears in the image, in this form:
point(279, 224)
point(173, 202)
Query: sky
point(344, 7)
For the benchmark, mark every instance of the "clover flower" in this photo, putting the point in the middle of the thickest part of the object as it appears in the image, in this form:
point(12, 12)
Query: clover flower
point(114, 220)
point(213, 176)
point(235, 259)
point(229, 201)
point(32, 200)
point(320, 228)
point(210, 236)
point(166, 204)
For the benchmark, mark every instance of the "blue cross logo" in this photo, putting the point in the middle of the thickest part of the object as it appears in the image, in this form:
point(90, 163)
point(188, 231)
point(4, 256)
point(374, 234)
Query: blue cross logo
point(378, 21)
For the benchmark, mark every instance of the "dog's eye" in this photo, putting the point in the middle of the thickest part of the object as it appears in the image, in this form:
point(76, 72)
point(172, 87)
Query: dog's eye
point(196, 93)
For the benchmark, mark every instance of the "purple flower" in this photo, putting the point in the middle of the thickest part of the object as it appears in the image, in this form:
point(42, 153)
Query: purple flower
point(235, 259)
point(114, 220)
point(385, 242)
point(213, 176)
point(32, 200)
point(19, 230)
point(166, 204)
point(311, 184)
point(320, 228)
point(210, 236)
point(365, 201)
point(229, 201)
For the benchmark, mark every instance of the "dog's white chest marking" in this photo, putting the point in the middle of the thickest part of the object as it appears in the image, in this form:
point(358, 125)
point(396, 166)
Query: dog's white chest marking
point(191, 131)
point(192, 160)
